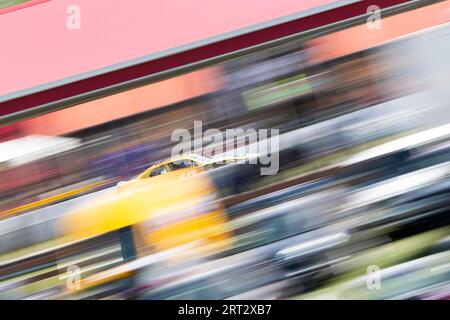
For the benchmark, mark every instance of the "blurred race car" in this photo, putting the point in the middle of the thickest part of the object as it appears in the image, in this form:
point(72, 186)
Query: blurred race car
point(189, 161)
point(197, 163)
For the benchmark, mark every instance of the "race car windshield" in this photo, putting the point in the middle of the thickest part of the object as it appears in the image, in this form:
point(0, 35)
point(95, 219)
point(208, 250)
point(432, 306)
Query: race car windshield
point(158, 171)
point(181, 164)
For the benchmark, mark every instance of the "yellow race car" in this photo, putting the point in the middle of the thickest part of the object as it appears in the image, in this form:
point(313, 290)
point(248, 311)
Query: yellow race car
point(197, 162)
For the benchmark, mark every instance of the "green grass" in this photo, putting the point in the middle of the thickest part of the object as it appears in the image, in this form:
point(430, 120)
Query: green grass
point(10, 3)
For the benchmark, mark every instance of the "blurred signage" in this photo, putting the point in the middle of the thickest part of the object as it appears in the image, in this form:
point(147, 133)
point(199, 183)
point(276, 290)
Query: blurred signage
point(276, 92)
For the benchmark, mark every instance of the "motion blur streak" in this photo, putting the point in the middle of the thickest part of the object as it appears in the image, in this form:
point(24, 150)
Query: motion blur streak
point(359, 208)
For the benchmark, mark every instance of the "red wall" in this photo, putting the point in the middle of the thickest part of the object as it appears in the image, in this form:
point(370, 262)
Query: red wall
point(123, 104)
point(37, 47)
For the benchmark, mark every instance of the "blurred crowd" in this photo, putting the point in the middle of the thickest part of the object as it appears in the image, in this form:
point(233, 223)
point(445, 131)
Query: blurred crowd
point(359, 208)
